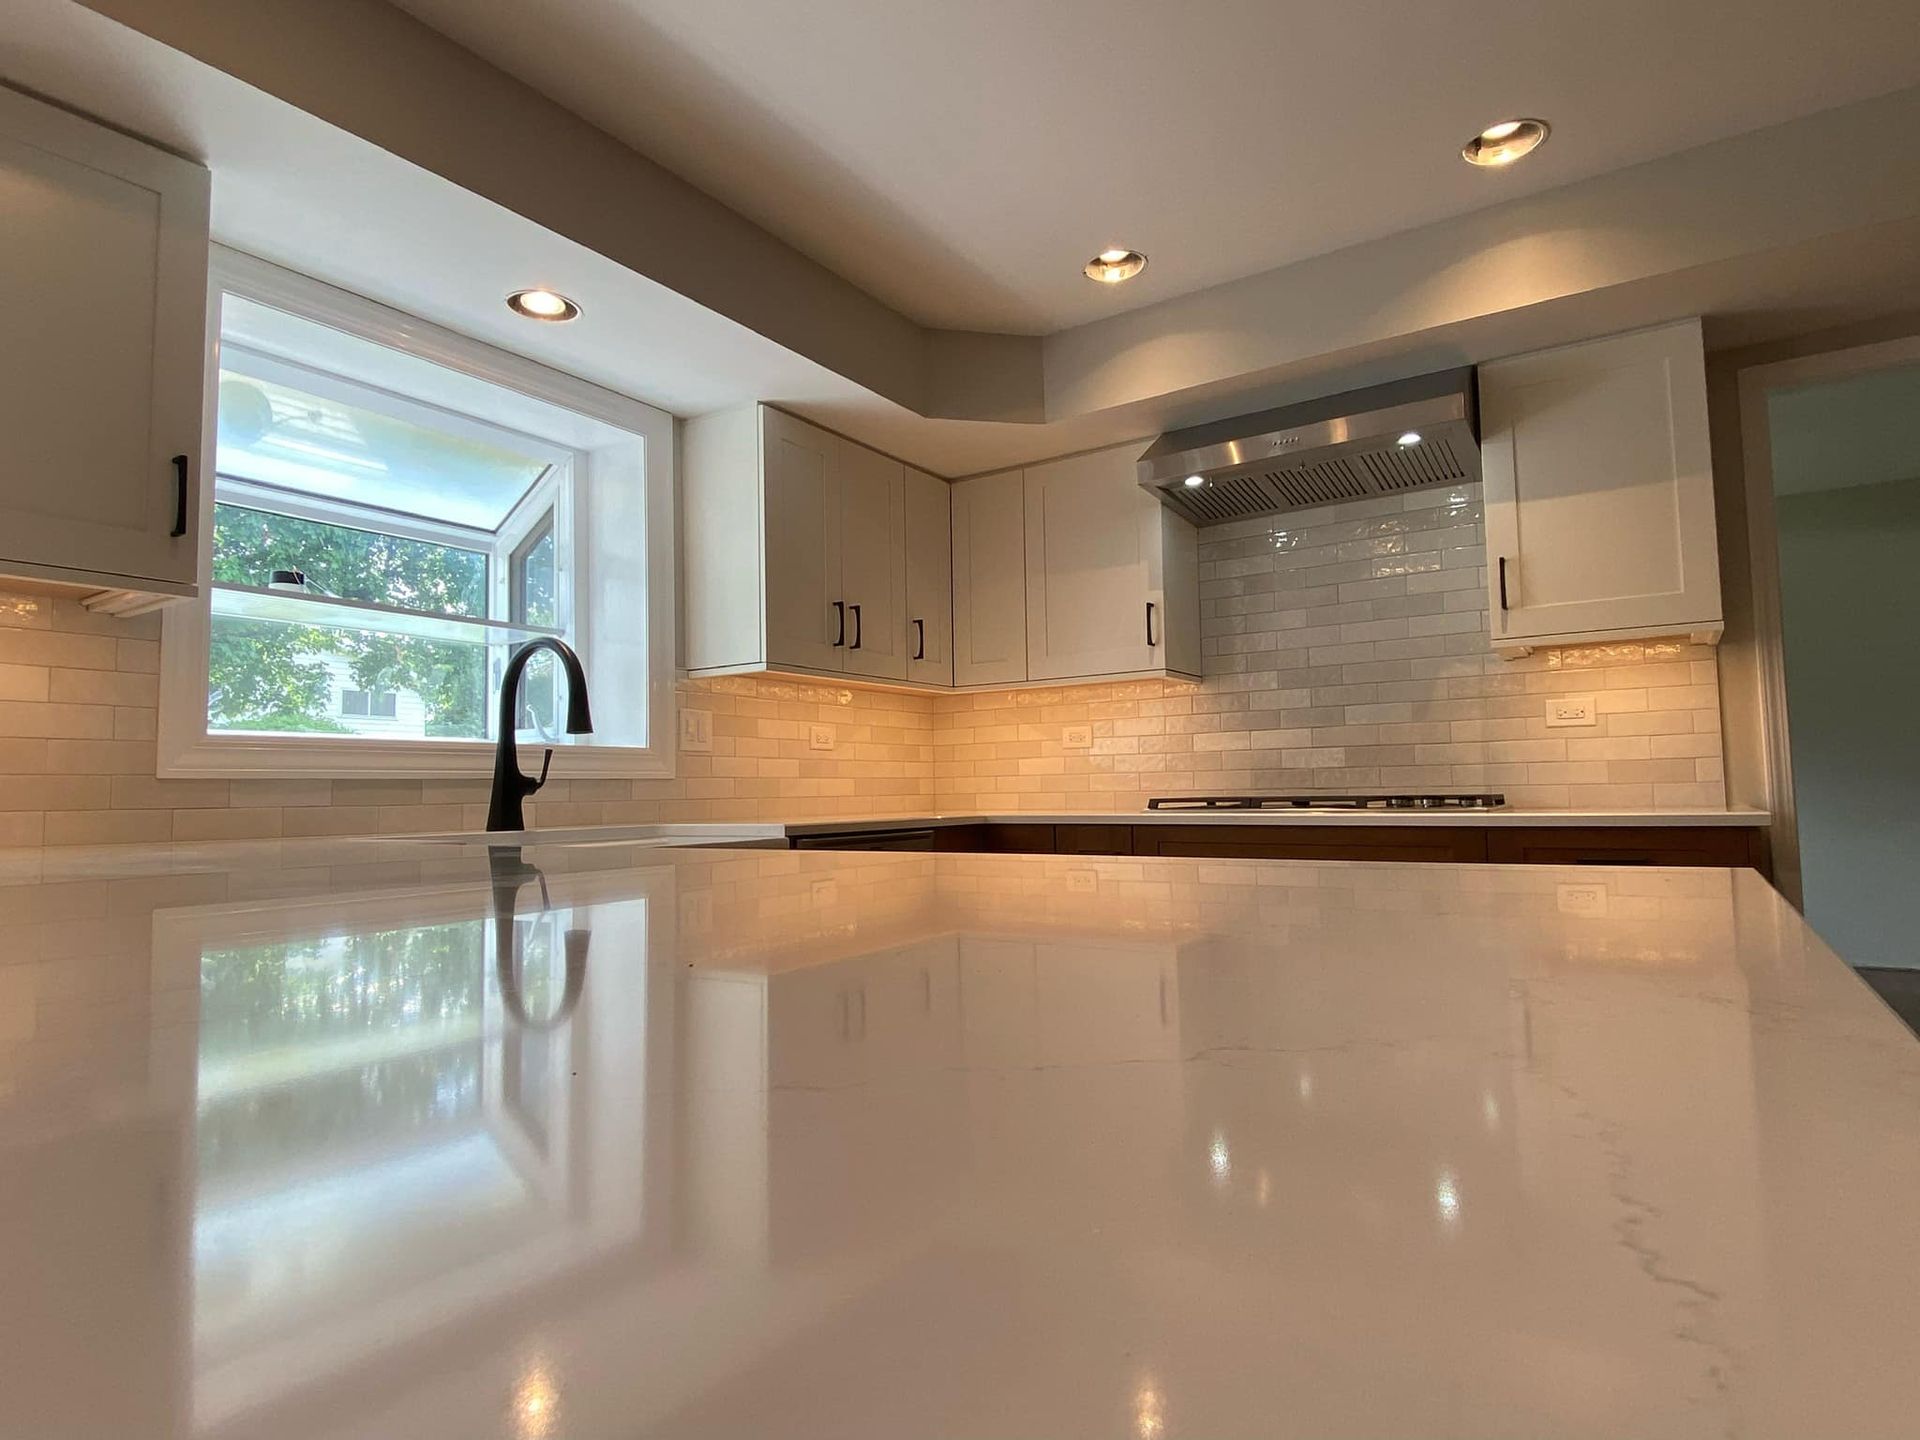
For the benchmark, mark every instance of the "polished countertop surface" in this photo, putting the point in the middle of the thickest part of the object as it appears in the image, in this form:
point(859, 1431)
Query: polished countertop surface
point(608, 1142)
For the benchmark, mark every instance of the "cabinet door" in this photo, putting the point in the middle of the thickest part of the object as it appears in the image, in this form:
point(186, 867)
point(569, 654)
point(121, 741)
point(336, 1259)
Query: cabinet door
point(873, 562)
point(1450, 845)
point(929, 580)
point(1599, 490)
point(1094, 599)
point(989, 581)
point(1180, 588)
point(801, 488)
point(103, 280)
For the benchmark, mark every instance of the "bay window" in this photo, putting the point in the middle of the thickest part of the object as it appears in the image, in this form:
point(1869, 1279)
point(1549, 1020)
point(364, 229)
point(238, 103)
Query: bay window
point(395, 508)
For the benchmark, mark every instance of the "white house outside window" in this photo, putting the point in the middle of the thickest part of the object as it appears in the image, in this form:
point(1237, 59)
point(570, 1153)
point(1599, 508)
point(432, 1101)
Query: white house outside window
point(394, 509)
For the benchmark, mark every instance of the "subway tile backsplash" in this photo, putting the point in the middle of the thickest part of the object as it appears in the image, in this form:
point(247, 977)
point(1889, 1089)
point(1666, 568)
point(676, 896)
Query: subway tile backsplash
point(78, 698)
point(1345, 649)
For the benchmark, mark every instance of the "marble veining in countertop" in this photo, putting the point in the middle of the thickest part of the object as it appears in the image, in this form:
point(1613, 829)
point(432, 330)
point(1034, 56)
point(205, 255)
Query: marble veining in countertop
point(607, 1142)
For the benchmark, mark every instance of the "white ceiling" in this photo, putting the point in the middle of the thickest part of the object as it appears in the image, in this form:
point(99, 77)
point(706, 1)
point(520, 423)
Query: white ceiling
point(960, 161)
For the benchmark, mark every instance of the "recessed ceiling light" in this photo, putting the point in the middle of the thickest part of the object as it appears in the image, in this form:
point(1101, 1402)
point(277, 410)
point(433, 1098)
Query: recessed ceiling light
point(1110, 267)
point(1505, 143)
point(542, 305)
point(1412, 437)
point(1194, 482)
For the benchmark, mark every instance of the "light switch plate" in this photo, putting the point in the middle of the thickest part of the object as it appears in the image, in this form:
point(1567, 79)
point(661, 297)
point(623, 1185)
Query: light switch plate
point(1076, 737)
point(1564, 710)
point(820, 737)
point(696, 732)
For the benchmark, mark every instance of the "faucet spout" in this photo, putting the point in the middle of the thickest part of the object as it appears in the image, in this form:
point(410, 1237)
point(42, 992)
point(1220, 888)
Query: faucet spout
point(510, 787)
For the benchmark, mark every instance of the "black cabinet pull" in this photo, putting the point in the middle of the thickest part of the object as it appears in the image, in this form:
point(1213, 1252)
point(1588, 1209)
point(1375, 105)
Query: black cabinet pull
point(856, 627)
point(179, 497)
point(920, 645)
point(1503, 582)
point(840, 614)
point(1151, 642)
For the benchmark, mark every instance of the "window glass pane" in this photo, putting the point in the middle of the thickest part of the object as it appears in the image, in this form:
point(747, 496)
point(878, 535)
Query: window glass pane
point(538, 600)
point(269, 675)
point(274, 433)
point(249, 545)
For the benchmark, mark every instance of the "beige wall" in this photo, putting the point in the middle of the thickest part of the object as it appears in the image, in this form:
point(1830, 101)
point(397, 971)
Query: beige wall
point(1345, 650)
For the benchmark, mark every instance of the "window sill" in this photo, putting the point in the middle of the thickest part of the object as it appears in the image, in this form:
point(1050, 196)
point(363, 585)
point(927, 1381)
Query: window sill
point(278, 757)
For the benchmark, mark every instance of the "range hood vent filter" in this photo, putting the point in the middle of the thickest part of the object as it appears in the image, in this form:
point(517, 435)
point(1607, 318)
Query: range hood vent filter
point(1323, 452)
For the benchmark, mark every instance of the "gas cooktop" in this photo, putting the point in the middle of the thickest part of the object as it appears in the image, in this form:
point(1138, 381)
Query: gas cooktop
point(1327, 802)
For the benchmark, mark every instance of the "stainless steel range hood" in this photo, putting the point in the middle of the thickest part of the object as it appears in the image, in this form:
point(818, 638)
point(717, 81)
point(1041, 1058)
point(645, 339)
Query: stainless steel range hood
point(1320, 452)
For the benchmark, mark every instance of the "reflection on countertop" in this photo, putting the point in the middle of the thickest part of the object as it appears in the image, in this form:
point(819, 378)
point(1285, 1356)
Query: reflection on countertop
point(743, 1143)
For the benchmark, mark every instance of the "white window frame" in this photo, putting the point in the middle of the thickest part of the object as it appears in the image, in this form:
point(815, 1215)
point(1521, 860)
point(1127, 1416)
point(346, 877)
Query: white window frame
point(626, 444)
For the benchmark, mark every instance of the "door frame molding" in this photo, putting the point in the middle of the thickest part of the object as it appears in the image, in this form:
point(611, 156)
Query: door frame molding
point(1756, 384)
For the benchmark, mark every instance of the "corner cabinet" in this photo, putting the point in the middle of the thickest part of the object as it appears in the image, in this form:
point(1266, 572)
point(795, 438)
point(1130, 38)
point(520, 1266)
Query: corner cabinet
point(797, 551)
point(805, 553)
point(990, 580)
point(1599, 492)
point(102, 394)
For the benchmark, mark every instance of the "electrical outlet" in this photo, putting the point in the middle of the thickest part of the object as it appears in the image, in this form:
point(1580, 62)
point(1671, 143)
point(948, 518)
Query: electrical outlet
point(1076, 737)
point(1582, 899)
point(1570, 710)
point(820, 737)
point(1082, 882)
point(696, 732)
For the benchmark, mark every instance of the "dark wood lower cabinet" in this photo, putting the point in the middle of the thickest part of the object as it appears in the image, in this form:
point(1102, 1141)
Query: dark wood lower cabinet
point(1621, 845)
point(1306, 842)
point(1698, 845)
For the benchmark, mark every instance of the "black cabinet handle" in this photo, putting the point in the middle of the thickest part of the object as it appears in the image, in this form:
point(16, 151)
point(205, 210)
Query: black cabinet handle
point(920, 645)
point(179, 497)
point(840, 614)
point(1151, 642)
point(1503, 582)
point(856, 627)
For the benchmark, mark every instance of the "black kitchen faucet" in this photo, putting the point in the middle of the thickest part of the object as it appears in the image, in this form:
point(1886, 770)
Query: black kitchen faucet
point(510, 787)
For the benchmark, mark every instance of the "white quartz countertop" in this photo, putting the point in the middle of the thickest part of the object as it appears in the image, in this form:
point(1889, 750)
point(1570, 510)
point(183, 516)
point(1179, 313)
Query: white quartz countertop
point(1475, 819)
point(605, 1142)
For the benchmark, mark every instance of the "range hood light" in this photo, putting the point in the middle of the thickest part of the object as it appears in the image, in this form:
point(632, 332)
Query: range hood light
point(1505, 143)
point(1359, 445)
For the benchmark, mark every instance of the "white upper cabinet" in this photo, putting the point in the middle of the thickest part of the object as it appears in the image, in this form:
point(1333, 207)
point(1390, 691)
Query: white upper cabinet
point(103, 280)
point(873, 562)
point(806, 614)
point(1599, 492)
point(1112, 584)
point(805, 552)
point(990, 580)
point(929, 579)
point(795, 549)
